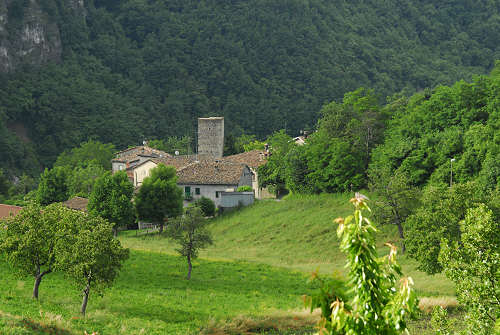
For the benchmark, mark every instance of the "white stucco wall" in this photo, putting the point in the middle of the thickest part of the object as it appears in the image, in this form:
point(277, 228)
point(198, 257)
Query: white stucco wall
point(207, 191)
point(141, 172)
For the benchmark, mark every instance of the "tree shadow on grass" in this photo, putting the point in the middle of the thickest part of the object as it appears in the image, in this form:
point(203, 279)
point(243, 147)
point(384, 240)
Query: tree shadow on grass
point(40, 328)
point(158, 312)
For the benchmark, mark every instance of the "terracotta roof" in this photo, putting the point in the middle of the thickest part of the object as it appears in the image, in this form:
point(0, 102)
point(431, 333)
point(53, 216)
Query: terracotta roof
point(77, 203)
point(7, 210)
point(177, 162)
point(211, 172)
point(253, 159)
point(132, 154)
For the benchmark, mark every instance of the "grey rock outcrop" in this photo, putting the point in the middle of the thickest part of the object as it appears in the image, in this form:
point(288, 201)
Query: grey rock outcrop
point(28, 34)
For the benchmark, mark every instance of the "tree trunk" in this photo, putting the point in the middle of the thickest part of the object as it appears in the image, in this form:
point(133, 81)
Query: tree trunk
point(115, 231)
point(86, 293)
point(401, 235)
point(190, 267)
point(38, 280)
point(161, 228)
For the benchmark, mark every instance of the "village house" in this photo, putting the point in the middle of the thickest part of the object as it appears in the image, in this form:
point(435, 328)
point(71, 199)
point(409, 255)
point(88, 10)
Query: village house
point(137, 173)
point(209, 178)
point(130, 157)
point(254, 159)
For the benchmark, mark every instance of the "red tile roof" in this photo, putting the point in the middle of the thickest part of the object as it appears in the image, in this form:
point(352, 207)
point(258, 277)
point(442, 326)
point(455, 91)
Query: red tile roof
point(7, 210)
point(211, 173)
point(253, 159)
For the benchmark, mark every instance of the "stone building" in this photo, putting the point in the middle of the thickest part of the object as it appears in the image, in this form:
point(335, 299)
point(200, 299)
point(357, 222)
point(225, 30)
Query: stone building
point(211, 137)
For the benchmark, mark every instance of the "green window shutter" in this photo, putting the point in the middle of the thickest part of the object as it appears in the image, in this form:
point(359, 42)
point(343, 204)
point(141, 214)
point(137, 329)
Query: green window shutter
point(197, 191)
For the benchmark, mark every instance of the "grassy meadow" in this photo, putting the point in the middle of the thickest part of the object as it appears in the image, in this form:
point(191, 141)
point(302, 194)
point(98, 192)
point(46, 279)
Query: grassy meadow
point(249, 282)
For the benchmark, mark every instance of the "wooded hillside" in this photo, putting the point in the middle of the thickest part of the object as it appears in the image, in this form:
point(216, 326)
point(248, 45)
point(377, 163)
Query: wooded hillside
point(137, 69)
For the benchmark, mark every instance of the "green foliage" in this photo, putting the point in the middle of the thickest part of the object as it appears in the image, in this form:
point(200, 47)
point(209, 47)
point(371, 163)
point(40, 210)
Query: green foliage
point(184, 145)
point(4, 184)
point(432, 127)
point(245, 188)
point(53, 186)
point(81, 180)
point(29, 240)
point(473, 263)
point(441, 210)
point(159, 197)
point(190, 232)
point(111, 199)
point(89, 254)
point(273, 173)
point(207, 206)
point(128, 73)
point(377, 306)
point(90, 152)
point(440, 321)
point(396, 198)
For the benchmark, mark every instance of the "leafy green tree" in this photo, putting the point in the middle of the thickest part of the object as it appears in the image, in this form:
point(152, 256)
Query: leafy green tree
point(245, 188)
point(81, 180)
point(53, 186)
point(184, 145)
point(89, 254)
point(159, 197)
point(472, 263)
point(207, 206)
point(4, 184)
point(190, 232)
point(273, 173)
point(396, 199)
point(111, 199)
point(29, 240)
point(91, 151)
point(442, 208)
point(377, 305)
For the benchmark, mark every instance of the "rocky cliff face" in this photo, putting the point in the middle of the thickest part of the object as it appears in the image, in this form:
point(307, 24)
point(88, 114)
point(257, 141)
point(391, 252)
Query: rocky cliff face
point(29, 34)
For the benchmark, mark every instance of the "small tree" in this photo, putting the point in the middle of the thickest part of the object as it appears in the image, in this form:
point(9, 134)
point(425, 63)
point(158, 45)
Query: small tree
point(159, 196)
point(191, 233)
point(207, 206)
point(377, 306)
point(89, 254)
point(245, 188)
point(438, 217)
point(397, 199)
point(53, 186)
point(29, 239)
point(473, 264)
point(111, 199)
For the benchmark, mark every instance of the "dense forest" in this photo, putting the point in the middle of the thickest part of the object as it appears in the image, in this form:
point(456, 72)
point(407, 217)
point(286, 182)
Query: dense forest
point(139, 69)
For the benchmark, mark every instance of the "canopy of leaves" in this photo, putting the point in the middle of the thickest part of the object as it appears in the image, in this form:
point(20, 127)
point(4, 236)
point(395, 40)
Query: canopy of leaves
point(159, 197)
point(461, 122)
point(111, 199)
point(441, 210)
point(88, 253)
point(206, 205)
point(88, 152)
point(472, 263)
point(53, 186)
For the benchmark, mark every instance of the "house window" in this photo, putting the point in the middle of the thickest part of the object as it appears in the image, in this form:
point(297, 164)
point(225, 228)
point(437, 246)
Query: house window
point(197, 191)
point(217, 194)
point(187, 191)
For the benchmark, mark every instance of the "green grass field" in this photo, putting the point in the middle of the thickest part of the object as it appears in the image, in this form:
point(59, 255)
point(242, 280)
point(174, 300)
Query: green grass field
point(250, 281)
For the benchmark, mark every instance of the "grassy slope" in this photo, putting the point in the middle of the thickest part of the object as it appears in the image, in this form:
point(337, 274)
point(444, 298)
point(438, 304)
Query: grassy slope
point(296, 233)
point(229, 279)
point(151, 296)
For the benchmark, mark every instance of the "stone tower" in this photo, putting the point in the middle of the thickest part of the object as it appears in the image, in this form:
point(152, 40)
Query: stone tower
point(211, 136)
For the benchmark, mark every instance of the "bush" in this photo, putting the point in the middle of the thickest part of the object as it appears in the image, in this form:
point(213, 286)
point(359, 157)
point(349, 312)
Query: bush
point(207, 206)
point(245, 188)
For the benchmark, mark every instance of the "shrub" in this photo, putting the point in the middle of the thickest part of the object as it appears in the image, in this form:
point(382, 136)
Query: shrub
point(207, 206)
point(245, 188)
